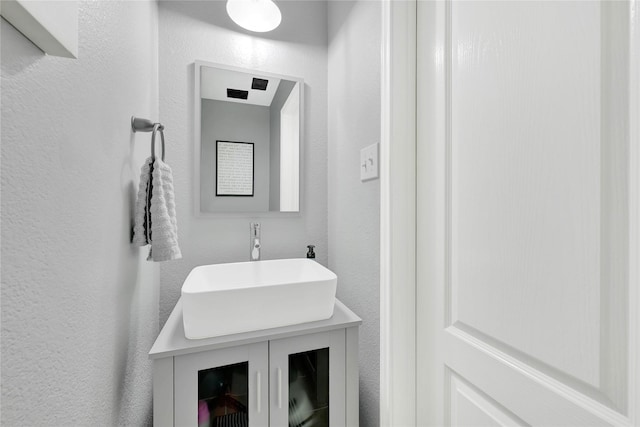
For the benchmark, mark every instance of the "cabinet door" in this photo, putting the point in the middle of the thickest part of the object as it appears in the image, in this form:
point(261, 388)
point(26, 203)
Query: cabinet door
point(308, 380)
point(222, 387)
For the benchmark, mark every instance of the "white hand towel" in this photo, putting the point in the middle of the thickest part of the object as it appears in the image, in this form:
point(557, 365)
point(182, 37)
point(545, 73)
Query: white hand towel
point(164, 227)
point(141, 233)
point(155, 214)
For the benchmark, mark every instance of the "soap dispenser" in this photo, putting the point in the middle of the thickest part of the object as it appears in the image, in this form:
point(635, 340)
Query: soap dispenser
point(310, 253)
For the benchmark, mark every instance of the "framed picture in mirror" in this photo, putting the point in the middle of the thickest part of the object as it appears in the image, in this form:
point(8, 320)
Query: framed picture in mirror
point(234, 168)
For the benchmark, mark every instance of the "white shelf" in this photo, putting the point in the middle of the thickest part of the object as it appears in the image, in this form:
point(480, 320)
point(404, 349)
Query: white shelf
point(172, 342)
point(53, 27)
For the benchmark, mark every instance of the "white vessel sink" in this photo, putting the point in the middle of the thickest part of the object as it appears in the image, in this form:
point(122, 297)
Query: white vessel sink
point(221, 299)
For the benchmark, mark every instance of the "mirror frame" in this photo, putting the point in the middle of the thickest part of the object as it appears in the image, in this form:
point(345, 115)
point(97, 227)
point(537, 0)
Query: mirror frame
point(197, 143)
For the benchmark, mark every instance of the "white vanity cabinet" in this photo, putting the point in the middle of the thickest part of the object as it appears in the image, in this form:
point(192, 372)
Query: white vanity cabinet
point(275, 377)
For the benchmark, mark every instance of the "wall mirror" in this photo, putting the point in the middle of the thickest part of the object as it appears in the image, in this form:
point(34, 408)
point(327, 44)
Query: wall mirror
point(248, 140)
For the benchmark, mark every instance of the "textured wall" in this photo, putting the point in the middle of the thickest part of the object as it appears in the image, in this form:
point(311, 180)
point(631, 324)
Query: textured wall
point(79, 303)
point(354, 213)
point(191, 30)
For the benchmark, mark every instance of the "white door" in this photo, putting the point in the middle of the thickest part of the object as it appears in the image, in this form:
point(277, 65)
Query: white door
point(527, 208)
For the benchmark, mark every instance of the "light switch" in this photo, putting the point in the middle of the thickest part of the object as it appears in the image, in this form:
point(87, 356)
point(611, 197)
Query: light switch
point(369, 162)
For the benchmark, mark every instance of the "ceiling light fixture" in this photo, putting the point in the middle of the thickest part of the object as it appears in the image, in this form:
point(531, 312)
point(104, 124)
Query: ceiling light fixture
point(259, 16)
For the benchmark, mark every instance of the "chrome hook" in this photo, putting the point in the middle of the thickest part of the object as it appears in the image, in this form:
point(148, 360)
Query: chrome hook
point(157, 127)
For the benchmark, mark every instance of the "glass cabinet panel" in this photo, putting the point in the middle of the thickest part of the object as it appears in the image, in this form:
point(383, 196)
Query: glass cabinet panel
point(224, 387)
point(223, 396)
point(308, 380)
point(309, 388)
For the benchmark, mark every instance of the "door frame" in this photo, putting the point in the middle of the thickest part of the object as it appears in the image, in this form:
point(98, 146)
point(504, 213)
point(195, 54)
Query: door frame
point(634, 214)
point(398, 215)
point(398, 228)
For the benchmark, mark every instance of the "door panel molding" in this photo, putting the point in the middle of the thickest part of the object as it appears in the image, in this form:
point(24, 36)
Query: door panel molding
point(633, 113)
point(606, 389)
point(536, 366)
point(608, 383)
point(461, 392)
point(563, 404)
point(493, 168)
point(615, 198)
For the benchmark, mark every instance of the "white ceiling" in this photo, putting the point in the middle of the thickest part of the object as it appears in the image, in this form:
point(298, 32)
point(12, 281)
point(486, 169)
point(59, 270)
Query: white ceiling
point(215, 81)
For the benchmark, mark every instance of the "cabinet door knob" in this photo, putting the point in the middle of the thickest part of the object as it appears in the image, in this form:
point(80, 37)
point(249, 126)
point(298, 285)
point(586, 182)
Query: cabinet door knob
point(279, 388)
point(258, 391)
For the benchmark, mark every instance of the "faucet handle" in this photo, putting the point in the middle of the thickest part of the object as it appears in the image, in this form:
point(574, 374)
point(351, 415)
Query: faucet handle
point(254, 241)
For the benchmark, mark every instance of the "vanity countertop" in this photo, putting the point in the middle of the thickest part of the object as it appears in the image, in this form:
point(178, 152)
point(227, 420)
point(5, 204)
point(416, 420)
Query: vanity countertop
point(172, 342)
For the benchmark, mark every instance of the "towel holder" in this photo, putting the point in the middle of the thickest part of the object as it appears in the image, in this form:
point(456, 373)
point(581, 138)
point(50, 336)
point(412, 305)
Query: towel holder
point(145, 125)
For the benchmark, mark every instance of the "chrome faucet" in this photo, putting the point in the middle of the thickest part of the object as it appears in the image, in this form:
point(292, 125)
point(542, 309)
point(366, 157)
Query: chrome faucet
point(254, 241)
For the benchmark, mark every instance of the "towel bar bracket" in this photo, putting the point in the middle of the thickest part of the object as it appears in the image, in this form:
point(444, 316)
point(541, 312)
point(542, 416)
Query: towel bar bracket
point(143, 125)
